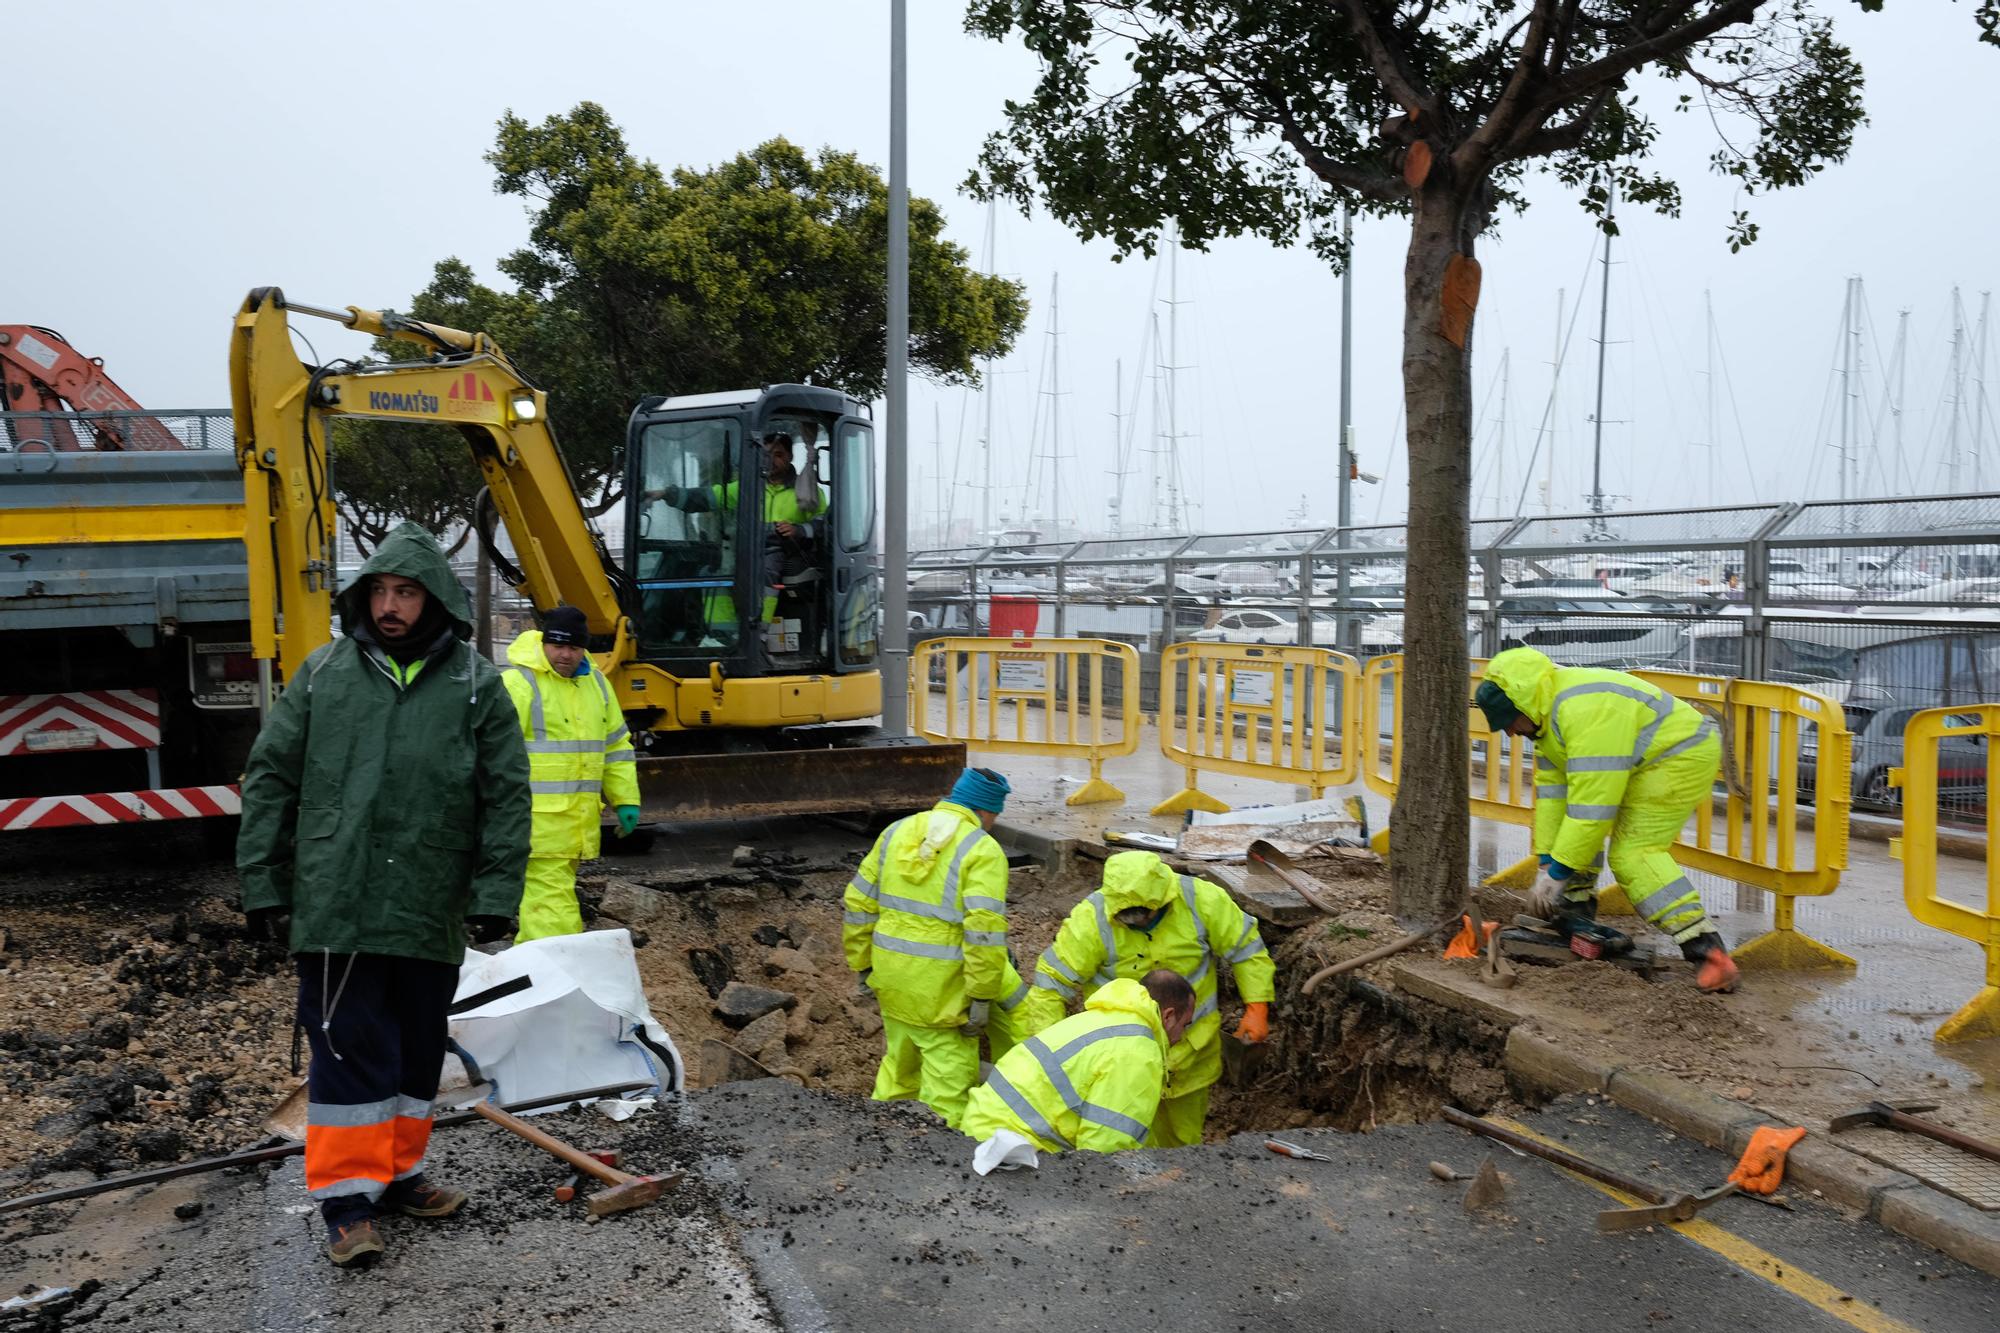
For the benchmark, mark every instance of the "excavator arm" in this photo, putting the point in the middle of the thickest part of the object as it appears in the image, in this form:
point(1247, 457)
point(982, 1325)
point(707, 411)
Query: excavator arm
point(41, 372)
point(282, 408)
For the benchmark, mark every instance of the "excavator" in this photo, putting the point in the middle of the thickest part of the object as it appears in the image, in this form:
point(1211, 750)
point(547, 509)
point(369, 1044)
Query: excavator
point(40, 372)
point(743, 652)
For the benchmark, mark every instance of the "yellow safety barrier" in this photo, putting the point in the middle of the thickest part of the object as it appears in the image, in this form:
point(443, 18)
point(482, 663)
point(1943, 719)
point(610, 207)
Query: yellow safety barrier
point(993, 688)
point(1917, 850)
point(1751, 836)
point(1256, 711)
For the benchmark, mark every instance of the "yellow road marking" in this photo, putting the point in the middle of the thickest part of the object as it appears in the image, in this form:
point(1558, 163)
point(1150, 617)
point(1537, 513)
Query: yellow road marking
point(1750, 1258)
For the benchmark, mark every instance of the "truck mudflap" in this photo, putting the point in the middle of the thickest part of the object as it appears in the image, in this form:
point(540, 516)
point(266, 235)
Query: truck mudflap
point(882, 778)
point(118, 807)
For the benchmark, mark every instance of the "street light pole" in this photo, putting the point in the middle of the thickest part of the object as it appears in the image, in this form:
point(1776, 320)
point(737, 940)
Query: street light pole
point(895, 484)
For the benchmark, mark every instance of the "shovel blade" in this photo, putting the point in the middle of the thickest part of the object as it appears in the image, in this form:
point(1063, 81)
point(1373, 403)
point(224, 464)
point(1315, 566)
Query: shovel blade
point(1242, 1060)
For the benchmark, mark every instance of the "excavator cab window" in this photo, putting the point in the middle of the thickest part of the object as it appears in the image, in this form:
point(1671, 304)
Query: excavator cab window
point(685, 561)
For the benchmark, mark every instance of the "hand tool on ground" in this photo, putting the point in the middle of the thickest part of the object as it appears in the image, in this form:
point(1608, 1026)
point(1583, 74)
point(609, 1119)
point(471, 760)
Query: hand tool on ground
point(1241, 1060)
point(278, 1152)
point(626, 1191)
point(1498, 972)
point(1897, 1115)
point(1374, 955)
point(1284, 1149)
point(1296, 879)
point(1659, 1206)
point(1447, 1174)
point(567, 1190)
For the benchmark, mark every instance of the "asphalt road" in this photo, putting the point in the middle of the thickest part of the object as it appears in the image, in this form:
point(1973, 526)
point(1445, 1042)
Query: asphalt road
point(808, 1212)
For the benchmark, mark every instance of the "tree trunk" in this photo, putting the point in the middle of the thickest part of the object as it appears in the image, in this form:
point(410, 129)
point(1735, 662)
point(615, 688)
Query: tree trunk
point(1429, 826)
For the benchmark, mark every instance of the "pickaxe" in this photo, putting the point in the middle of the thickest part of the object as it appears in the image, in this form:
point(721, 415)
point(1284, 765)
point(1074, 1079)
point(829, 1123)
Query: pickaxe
point(1896, 1115)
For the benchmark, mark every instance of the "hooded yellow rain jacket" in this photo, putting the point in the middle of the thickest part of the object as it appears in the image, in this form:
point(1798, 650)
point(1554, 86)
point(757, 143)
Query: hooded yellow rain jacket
point(1615, 756)
point(1202, 927)
point(1090, 1082)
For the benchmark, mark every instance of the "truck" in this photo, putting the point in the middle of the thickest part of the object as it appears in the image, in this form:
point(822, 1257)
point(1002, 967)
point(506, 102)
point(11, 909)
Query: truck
point(127, 688)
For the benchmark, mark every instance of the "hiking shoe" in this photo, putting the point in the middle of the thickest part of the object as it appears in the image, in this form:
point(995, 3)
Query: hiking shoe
point(417, 1197)
point(355, 1244)
point(1715, 972)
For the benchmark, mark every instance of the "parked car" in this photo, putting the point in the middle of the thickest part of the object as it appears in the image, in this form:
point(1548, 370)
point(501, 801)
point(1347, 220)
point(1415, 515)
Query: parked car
point(1878, 747)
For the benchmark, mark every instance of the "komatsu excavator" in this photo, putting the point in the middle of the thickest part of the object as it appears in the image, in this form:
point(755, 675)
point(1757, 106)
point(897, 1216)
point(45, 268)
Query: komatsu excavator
point(740, 634)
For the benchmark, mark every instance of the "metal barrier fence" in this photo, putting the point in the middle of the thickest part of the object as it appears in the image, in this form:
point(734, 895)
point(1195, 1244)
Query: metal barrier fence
point(994, 688)
point(1777, 738)
point(1930, 744)
point(1223, 705)
point(35, 432)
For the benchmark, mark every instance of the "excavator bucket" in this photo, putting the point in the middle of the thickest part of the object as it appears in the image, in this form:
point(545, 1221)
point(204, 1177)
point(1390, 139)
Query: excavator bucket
point(886, 777)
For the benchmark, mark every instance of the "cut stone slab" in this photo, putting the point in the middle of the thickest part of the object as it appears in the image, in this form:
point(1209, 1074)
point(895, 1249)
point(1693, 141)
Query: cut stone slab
point(634, 904)
point(740, 1004)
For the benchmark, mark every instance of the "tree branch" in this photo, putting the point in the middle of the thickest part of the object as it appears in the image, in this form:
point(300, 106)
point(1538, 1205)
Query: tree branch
point(1388, 64)
point(1551, 139)
point(1478, 152)
point(1382, 189)
point(1609, 69)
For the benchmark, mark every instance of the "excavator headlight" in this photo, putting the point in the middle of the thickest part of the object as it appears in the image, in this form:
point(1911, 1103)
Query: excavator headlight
point(522, 405)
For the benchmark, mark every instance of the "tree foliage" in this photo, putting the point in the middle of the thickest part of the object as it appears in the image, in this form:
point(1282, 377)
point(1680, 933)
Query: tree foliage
point(1270, 117)
point(767, 268)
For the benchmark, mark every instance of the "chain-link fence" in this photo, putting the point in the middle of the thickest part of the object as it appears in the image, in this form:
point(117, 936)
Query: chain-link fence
point(67, 432)
point(1886, 606)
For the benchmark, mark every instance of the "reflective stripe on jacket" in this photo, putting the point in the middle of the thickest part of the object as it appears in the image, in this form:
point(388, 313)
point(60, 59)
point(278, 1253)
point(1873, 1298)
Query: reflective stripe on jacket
point(1091, 1082)
point(579, 749)
point(927, 911)
point(1202, 927)
point(1598, 728)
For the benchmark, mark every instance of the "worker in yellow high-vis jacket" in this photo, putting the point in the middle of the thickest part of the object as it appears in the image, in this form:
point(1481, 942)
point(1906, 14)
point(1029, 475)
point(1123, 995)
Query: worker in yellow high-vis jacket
point(926, 927)
point(1144, 917)
point(580, 757)
point(1618, 756)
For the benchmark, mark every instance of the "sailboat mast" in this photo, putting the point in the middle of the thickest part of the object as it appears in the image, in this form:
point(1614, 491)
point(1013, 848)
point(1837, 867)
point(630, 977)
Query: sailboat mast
point(1846, 386)
point(1979, 393)
point(1954, 379)
point(1708, 314)
point(1055, 408)
point(1549, 417)
point(1117, 450)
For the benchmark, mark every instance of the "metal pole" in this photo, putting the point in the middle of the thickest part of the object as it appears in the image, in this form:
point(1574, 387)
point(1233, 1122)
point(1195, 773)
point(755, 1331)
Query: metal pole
point(895, 487)
point(986, 393)
point(1343, 631)
point(1603, 338)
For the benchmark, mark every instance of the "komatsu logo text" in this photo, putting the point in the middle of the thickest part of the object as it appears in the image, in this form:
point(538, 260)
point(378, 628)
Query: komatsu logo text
point(424, 403)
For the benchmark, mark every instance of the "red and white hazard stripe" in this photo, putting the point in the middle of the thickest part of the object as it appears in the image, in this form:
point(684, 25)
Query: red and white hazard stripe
point(79, 720)
point(117, 807)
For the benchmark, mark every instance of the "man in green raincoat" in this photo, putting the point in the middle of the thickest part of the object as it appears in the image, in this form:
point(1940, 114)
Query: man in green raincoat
point(385, 810)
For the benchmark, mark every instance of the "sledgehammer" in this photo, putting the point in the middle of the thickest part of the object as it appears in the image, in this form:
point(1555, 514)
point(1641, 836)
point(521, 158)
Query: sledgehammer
point(626, 1192)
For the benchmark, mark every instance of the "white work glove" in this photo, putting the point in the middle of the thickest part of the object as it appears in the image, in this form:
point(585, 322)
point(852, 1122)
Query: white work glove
point(975, 1019)
point(1546, 897)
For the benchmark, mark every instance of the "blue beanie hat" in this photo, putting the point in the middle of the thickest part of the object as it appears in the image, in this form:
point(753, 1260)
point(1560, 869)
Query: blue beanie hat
point(980, 789)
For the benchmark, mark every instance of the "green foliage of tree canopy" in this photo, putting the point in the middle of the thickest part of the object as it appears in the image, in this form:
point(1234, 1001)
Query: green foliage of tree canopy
point(769, 268)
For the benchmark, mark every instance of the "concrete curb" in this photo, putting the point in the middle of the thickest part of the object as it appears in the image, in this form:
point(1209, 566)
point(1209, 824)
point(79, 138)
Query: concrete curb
point(1057, 854)
point(1895, 1201)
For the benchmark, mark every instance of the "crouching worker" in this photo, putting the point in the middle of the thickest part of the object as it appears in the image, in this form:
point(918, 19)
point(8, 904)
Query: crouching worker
point(1091, 1082)
point(1145, 916)
point(926, 927)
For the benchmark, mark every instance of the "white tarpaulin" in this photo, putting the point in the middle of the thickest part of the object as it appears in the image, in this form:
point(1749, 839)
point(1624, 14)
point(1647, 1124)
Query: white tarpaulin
point(566, 1012)
point(1296, 830)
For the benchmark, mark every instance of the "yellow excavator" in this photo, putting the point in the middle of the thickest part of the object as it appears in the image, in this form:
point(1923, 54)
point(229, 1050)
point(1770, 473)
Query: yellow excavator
point(742, 649)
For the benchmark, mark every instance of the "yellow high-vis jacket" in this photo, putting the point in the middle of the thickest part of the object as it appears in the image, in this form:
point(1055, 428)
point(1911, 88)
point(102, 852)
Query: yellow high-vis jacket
point(579, 749)
point(1202, 927)
point(1598, 728)
point(927, 911)
point(1091, 1082)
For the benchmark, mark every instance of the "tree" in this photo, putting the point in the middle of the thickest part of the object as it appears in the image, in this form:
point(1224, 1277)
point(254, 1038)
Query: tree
point(765, 269)
point(1267, 117)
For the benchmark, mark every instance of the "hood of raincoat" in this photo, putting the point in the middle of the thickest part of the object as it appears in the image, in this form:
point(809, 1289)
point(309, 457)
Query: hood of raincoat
point(1138, 879)
point(1126, 996)
point(1529, 678)
point(410, 552)
point(526, 650)
point(940, 830)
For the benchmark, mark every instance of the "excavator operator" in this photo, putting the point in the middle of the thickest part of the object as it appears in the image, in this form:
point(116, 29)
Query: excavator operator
point(788, 512)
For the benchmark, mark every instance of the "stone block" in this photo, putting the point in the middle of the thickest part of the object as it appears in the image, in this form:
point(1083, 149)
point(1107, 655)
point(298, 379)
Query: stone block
point(740, 1004)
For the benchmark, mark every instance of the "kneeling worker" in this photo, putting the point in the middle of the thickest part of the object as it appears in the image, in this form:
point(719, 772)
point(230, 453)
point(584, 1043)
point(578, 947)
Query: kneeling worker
point(1144, 917)
point(1092, 1081)
point(1613, 755)
point(926, 927)
point(579, 751)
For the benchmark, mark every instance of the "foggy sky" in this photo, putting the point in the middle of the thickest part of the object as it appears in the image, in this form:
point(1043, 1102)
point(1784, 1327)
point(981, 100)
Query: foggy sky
point(200, 150)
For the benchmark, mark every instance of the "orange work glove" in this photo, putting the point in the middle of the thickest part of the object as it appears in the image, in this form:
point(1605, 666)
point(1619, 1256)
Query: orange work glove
point(1255, 1025)
point(1763, 1164)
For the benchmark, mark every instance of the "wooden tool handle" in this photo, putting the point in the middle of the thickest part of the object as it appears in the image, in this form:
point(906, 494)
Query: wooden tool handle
point(1916, 1124)
point(548, 1143)
point(1568, 1161)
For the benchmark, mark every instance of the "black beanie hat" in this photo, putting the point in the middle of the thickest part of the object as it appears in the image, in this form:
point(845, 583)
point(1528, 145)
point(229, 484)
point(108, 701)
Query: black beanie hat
point(566, 624)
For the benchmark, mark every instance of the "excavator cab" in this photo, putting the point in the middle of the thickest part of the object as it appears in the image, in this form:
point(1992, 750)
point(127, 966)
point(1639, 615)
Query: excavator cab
point(750, 519)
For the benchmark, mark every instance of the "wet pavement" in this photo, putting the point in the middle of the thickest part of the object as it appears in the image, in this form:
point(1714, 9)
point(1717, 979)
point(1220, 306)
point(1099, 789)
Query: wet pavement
point(809, 1211)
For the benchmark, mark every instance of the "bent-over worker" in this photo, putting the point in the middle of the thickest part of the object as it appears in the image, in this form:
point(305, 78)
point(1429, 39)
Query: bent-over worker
point(385, 813)
point(1144, 917)
point(926, 927)
point(1614, 755)
point(1093, 1081)
point(579, 753)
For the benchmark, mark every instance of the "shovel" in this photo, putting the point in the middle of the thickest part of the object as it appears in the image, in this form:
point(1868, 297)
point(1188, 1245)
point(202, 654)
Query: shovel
point(1242, 1060)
